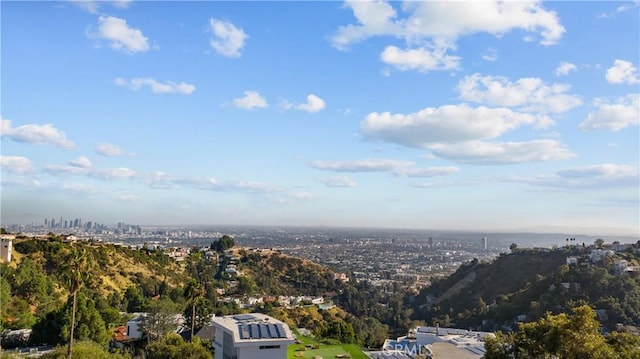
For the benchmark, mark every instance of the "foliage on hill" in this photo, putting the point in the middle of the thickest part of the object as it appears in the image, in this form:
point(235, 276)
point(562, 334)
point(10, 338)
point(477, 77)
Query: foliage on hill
point(279, 274)
point(574, 335)
point(34, 294)
point(273, 273)
point(529, 283)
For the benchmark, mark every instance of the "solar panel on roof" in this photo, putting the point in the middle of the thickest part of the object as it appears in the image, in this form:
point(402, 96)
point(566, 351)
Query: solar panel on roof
point(264, 331)
point(243, 330)
point(280, 330)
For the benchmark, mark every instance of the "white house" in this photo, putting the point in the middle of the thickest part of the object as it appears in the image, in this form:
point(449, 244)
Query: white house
point(134, 326)
point(6, 246)
point(251, 336)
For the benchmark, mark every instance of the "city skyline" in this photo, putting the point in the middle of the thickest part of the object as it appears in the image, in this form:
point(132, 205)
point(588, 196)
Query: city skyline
point(487, 116)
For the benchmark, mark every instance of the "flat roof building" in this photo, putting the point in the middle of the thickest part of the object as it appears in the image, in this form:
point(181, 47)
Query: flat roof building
point(6, 246)
point(251, 336)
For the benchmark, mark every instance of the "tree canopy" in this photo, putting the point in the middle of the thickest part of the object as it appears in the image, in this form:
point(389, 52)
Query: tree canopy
point(562, 336)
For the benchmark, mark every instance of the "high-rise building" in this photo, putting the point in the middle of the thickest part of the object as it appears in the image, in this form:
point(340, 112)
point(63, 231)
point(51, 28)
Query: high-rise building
point(483, 243)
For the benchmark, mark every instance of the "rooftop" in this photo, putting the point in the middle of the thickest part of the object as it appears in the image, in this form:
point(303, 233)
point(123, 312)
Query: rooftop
point(254, 327)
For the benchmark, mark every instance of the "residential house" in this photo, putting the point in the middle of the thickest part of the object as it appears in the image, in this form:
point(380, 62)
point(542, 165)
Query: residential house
point(251, 336)
point(6, 246)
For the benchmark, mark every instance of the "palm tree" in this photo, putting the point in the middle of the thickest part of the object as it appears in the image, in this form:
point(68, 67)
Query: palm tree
point(194, 291)
point(75, 271)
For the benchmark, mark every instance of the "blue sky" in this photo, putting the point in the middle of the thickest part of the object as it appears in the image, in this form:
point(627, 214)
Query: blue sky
point(438, 115)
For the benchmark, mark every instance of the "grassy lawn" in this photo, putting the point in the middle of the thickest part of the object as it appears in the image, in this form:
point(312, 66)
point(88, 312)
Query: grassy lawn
point(326, 351)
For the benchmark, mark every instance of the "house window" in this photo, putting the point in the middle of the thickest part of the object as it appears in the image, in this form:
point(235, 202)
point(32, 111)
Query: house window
point(269, 347)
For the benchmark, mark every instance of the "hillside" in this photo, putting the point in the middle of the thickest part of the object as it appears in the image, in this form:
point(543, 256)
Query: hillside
point(524, 285)
point(275, 273)
point(32, 284)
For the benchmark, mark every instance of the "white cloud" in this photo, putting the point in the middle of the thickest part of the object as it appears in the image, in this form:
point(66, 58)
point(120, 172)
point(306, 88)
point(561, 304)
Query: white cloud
point(338, 181)
point(82, 162)
point(92, 6)
point(526, 93)
point(427, 172)
point(228, 39)
point(16, 164)
point(431, 28)
point(35, 134)
point(313, 104)
point(155, 86)
point(66, 170)
point(446, 124)
point(487, 153)
point(622, 8)
point(421, 59)
point(251, 100)
point(366, 165)
point(114, 173)
point(394, 167)
point(449, 20)
point(565, 68)
point(622, 72)
point(622, 112)
point(375, 18)
point(490, 55)
point(109, 150)
point(605, 175)
point(122, 37)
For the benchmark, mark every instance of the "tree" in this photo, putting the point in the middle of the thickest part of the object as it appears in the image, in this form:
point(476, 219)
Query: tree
point(194, 292)
point(75, 270)
point(173, 347)
point(513, 247)
point(222, 244)
point(564, 335)
point(598, 242)
point(88, 324)
point(160, 319)
point(84, 349)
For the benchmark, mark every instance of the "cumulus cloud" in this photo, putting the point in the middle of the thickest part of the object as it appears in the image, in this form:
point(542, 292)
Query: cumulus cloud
point(251, 100)
point(155, 86)
point(488, 153)
point(526, 93)
point(448, 20)
point(420, 59)
point(338, 181)
point(446, 124)
point(121, 36)
point(109, 150)
point(16, 164)
point(35, 134)
point(605, 175)
point(431, 28)
point(228, 40)
point(614, 116)
point(313, 104)
point(565, 68)
point(82, 162)
point(622, 72)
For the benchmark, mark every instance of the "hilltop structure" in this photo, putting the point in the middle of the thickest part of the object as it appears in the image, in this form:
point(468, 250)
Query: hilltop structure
point(251, 336)
point(6, 247)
